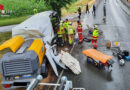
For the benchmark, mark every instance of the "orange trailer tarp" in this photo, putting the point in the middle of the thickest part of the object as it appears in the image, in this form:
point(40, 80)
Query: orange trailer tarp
point(93, 53)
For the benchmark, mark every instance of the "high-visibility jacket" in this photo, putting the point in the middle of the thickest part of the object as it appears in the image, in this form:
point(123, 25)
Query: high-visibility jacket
point(95, 34)
point(79, 29)
point(66, 24)
point(70, 29)
point(60, 30)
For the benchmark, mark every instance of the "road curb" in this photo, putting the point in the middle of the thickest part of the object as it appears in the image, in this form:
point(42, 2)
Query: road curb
point(124, 7)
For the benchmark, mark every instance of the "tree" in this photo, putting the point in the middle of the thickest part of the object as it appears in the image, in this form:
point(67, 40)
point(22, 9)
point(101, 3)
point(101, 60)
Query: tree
point(56, 5)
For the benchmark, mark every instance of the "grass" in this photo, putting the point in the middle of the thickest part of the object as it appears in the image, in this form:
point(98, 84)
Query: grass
point(23, 7)
point(19, 10)
point(3, 37)
point(74, 7)
point(26, 8)
point(12, 21)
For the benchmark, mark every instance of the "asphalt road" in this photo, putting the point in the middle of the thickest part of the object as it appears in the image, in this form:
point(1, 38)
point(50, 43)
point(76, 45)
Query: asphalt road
point(116, 28)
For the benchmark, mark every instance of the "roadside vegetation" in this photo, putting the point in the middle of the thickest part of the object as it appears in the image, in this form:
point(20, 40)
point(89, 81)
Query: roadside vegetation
point(72, 9)
point(23, 7)
point(12, 20)
point(3, 37)
point(19, 10)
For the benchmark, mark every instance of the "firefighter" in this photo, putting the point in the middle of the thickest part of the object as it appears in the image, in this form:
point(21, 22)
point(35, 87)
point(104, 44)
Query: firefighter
point(54, 23)
point(70, 33)
point(94, 10)
point(79, 30)
point(64, 31)
point(66, 24)
point(95, 37)
point(79, 23)
point(60, 35)
point(87, 9)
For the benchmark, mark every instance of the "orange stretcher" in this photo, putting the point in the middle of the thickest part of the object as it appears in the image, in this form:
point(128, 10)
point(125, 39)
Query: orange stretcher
point(97, 55)
point(97, 58)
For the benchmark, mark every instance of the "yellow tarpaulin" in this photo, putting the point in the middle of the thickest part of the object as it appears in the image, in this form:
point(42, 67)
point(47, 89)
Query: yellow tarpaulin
point(13, 43)
point(96, 55)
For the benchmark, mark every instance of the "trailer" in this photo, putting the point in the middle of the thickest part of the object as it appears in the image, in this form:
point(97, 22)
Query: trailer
point(31, 49)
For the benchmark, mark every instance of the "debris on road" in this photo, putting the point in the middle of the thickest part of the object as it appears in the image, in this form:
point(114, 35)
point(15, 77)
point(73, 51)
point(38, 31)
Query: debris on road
point(121, 55)
point(70, 62)
point(108, 44)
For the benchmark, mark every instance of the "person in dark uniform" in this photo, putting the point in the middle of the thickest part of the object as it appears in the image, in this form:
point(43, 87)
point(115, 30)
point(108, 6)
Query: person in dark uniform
point(54, 23)
point(94, 10)
point(79, 12)
point(87, 9)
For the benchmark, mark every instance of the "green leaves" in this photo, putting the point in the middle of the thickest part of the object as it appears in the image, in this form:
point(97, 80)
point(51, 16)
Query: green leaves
point(56, 5)
point(23, 7)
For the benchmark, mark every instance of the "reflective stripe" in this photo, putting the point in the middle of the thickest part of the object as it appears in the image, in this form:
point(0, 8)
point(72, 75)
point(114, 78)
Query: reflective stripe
point(60, 35)
point(70, 30)
point(60, 31)
point(66, 24)
point(95, 33)
point(94, 37)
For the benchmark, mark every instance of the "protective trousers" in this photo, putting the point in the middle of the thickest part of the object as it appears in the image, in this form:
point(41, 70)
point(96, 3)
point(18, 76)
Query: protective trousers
point(80, 36)
point(94, 42)
point(60, 39)
point(71, 38)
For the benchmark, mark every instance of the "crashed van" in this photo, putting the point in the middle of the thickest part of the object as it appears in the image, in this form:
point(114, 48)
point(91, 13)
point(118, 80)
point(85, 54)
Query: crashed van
point(31, 48)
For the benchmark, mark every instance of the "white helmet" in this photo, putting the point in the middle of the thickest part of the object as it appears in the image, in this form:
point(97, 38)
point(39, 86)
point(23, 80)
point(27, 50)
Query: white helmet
point(95, 26)
point(61, 24)
point(61, 21)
